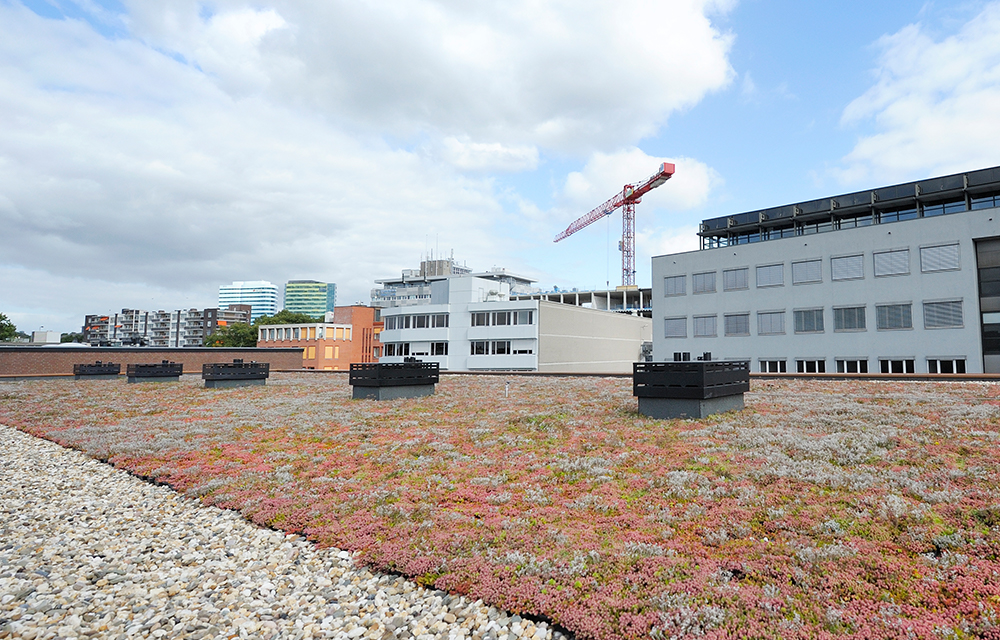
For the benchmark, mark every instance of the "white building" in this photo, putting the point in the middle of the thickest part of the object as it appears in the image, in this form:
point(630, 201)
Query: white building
point(414, 286)
point(470, 323)
point(898, 279)
point(261, 295)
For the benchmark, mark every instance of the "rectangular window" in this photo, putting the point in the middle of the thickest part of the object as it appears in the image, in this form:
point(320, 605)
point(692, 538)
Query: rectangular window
point(736, 279)
point(439, 348)
point(943, 315)
point(737, 324)
point(849, 319)
point(949, 365)
point(524, 317)
point(941, 258)
point(501, 348)
point(773, 366)
point(390, 349)
point(810, 366)
point(888, 365)
point(312, 353)
point(704, 326)
point(336, 352)
point(770, 323)
point(674, 286)
point(893, 316)
point(772, 275)
point(522, 349)
point(892, 263)
point(703, 282)
point(480, 319)
point(480, 348)
point(421, 322)
point(858, 365)
point(809, 321)
point(807, 271)
point(439, 320)
point(390, 322)
point(405, 322)
point(328, 352)
point(675, 327)
point(501, 318)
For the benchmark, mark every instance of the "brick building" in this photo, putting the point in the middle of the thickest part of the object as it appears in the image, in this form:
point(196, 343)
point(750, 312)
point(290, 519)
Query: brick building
point(348, 334)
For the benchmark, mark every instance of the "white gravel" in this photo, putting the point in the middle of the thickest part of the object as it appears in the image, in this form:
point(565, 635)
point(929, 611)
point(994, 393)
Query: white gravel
point(90, 552)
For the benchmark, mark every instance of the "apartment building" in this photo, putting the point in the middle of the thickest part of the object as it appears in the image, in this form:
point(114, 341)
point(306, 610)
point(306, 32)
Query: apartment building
point(899, 279)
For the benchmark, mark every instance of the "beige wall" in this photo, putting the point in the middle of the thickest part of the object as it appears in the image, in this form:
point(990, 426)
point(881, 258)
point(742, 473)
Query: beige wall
point(580, 340)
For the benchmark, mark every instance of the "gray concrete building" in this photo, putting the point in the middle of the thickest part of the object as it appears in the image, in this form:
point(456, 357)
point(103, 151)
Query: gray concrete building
point(900, 279)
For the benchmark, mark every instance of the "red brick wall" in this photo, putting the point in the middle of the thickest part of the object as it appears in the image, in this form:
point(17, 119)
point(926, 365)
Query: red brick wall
point(36, 361)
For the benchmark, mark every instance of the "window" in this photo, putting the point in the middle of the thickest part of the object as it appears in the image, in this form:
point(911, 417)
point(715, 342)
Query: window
point(943, 315)
point(810, 366)
point(501, 318)
point(737, 324)
point(390, 322)
point(849, 319)
point(390, 349)
point(770, 323)
point(888, 365)
point(943, 208)
point(480, 319)
point(394, 349)
point(480, 348)
point(328, 353)
point(704, 326)
point(525, 316)
point(892, 263)
point(736, 279)
point(940, 258)
point(772, 366)
point(523, 348)
point(439, 320)
point(807, 271)
point(809, 321)
point(772, 275)
point(421, 322)
point(675, 327)
point(501, 347)
point(439, 348)
point(856, 365)
point(703, 282)
point(673, 286)
point(949, 365)
point(893, 316)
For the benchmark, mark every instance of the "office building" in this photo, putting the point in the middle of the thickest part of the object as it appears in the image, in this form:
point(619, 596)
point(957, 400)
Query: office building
point(310, 297)
point(347, 335)
point(262, 296)
point(899, 279)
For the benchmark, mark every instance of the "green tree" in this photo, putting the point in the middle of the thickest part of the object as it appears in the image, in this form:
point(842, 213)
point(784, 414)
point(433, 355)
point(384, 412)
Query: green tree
point(71, 337)
point(287, 317)
point(7, 329)
point(234, 335)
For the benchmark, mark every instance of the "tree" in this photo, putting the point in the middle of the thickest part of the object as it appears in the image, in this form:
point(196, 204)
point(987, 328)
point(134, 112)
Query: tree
point(287, 317)
point(234, 335)
point(71, 337)
point(7, 329)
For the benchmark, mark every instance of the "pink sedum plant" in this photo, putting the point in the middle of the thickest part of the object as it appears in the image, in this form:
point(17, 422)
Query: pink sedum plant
point(825, 509)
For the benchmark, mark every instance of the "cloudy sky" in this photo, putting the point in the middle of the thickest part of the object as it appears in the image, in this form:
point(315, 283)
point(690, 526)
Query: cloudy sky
point(151, 151)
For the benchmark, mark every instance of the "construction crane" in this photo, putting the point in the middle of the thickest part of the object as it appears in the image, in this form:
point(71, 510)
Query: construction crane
point(631, 195)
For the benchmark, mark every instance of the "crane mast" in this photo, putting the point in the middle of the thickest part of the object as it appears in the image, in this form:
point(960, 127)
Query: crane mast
point(630, 195)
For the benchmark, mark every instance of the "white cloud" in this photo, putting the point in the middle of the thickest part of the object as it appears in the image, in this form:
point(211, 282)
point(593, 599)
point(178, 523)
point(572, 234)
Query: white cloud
point(934, 106)
point(480, 156)
point(570, 76)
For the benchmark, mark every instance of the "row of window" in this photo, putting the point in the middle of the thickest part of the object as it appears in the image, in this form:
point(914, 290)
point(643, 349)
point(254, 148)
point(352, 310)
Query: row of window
point(477, 348)
point(860, 365)
point(502, 318)
point(895, 262)
point(304, 333)
point(945, 314)
point(498, 348)
point(419, 321)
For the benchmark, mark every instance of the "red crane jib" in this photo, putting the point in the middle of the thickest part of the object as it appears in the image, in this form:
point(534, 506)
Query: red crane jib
point(630, 194)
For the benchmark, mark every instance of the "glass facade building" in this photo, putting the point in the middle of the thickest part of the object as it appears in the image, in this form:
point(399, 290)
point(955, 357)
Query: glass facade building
point(310, 297)
point(262, 296)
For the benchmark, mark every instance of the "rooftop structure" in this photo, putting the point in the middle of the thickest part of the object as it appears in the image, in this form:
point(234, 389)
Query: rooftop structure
point(413, 286)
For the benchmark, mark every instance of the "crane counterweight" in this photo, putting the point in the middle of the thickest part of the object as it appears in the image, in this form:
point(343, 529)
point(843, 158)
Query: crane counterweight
point(626, 201)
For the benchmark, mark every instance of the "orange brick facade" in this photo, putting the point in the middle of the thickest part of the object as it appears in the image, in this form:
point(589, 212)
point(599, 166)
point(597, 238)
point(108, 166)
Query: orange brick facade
point(48, 361)
point(331, 346)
